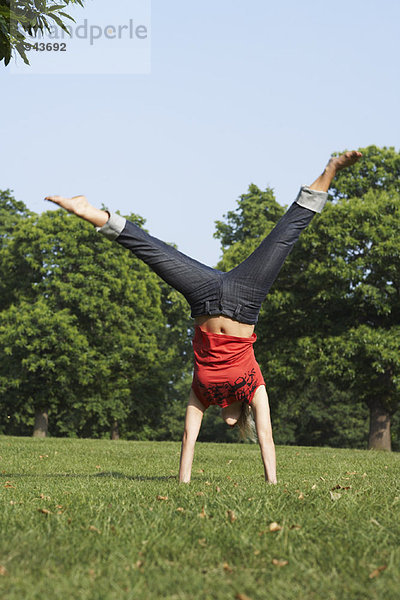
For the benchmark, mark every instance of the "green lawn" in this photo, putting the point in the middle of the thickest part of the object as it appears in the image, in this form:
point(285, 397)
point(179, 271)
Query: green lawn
point(107, 520)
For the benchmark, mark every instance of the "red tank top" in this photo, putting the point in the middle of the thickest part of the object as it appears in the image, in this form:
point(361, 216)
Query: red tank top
point(225, 368)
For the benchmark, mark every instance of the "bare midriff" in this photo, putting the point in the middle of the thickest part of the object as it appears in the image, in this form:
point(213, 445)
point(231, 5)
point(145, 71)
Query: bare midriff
point(224, 326)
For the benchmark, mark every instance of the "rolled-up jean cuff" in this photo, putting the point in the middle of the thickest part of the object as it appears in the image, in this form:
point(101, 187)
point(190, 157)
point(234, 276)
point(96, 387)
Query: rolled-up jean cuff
point(113, 227)
point(312, 199)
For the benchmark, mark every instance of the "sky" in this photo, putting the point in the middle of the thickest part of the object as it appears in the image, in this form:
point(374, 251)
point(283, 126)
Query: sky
point(220, 94)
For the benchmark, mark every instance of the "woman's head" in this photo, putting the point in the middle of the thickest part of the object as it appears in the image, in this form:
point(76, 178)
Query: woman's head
point(240, 414)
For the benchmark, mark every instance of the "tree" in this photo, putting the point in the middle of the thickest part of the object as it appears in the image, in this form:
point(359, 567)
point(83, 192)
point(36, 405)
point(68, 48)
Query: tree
point(353, 275)
point(257, 211)
point(41, 352)
point(329, 329)
point(19, 18)
point(112, 300)
point(11, 213)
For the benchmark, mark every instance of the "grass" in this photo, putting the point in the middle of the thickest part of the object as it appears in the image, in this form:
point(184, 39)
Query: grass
point(107, 520)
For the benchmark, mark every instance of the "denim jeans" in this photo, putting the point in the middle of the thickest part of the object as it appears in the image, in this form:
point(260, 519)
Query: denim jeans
point(238, 293)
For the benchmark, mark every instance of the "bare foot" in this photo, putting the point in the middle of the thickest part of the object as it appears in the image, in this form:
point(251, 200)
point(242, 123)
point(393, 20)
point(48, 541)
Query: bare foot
point(78, 205)
point(337, 163)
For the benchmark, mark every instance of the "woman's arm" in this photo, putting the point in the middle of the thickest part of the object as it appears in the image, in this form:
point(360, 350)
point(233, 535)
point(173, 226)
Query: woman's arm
point(262, 418)
point(193, 419)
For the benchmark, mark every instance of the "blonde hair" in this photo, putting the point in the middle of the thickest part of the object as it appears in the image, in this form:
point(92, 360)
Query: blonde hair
point(247, 427)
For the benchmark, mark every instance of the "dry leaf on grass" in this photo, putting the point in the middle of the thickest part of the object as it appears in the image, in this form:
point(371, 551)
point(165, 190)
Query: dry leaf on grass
point(231, 515)
point(341, 487)
point(200, 470)
point(314, 487)
point(242, 597)
point(162, 497)
point(217, 489)
point(203, 542)
point(279, 563)
point(335, 495)
point(377, 572)
point(180, 509)
point(44, 511)
point(273, 527)
point(3, 570)
point(257, 552)
point(202, 514)
point(207, 483)
point(139, 564)
point(301, 496)
point(295, 527)
point(227, 568)
point(93, 528)
point(229, 462)
point(200, 494)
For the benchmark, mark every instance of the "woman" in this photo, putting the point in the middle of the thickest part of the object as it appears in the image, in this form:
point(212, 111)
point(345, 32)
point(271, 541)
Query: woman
point(225, 307)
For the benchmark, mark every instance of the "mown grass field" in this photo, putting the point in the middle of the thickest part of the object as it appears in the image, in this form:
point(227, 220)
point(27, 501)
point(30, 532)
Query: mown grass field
point(108, 520)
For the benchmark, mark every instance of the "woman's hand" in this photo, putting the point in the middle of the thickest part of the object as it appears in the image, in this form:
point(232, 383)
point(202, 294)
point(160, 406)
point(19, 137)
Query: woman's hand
point(79, 206)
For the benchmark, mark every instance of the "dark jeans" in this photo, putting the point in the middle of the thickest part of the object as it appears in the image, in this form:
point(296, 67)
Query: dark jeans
point(238, 293)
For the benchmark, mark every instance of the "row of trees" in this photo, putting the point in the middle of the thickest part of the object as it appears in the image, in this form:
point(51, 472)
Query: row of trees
point(91, 339)
point(87, 334)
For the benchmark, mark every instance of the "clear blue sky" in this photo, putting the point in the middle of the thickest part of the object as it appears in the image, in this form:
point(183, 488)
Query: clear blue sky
point(238, 92)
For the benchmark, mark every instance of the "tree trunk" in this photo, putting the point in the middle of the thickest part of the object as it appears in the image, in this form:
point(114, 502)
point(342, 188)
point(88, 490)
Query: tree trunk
point(115, 431)
point(40, 428)
point(379, 427)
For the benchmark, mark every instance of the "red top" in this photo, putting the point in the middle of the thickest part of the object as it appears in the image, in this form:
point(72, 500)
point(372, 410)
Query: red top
point(225, 368)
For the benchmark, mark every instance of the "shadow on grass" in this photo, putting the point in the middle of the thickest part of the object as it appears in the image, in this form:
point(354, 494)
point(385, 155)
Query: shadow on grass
point(110, 474)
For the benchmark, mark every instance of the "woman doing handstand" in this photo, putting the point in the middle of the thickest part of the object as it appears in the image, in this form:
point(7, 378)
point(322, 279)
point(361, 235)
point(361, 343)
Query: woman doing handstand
point(225, 307)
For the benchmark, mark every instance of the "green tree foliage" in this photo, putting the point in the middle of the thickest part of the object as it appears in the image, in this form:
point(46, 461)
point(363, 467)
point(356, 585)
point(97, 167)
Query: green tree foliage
point(19, 18)
point(329, 328)
point(11, 212)
point(45, 363)
point(255, 212)
point(114, 304)
point(353, 272)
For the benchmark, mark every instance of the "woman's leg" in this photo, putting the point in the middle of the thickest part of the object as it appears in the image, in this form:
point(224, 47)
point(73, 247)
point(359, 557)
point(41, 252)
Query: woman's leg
point(250, 281)
point(197, 282)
